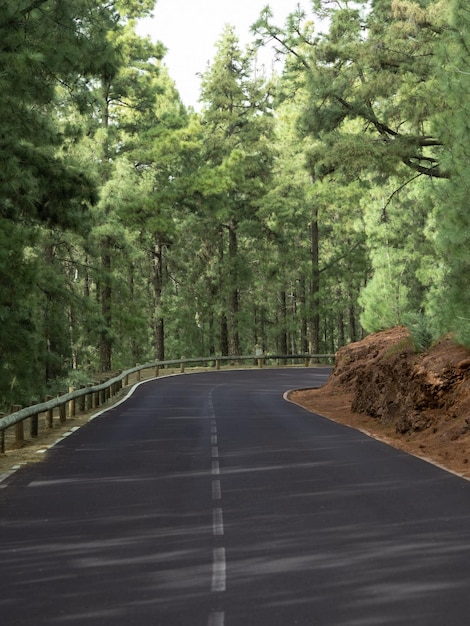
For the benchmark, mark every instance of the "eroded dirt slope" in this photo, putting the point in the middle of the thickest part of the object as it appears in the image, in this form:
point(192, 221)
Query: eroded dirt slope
point(416, 402)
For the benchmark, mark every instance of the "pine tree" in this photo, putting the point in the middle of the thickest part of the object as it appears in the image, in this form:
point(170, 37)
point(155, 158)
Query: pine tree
point(125, 98)
point(449, 300)
point(237, 151)
point(371, 83)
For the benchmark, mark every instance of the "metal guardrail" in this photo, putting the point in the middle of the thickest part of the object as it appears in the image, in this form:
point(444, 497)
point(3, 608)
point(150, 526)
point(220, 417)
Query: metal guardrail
point(94, 396)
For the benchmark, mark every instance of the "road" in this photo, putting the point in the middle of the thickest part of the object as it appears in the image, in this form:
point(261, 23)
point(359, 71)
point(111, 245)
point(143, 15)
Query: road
point(208, 500)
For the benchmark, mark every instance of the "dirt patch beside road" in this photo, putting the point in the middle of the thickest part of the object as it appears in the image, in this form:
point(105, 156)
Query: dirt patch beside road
point(419, 403)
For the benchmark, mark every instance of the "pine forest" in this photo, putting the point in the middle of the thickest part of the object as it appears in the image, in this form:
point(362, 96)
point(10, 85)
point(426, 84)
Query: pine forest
point(296, 211)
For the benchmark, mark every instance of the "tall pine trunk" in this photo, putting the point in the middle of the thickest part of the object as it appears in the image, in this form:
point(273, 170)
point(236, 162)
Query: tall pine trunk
point(234, 302)
point(157, 283)
point(303, 316)
point(53, 367)
point(106, 308)
point(283, 340)
point(105, 291)
point(224, 343)
point(314, 314)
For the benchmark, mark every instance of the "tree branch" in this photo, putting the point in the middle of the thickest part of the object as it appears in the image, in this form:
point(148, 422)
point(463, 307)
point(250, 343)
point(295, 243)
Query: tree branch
point(434, 171)
point(35, 5)
point(341, 257)
point(390, 198)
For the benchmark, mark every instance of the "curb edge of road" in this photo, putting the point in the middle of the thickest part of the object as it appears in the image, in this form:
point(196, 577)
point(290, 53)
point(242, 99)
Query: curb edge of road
point(372, 435)
point(5, 475)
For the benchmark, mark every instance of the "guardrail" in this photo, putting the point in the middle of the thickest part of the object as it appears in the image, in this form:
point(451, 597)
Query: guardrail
point(94, 396)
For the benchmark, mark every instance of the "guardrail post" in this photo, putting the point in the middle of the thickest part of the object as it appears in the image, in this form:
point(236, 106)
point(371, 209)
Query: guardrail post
point(107, 393)
point(81, 401)
point(157, 371)
point(34, 426)
point(72, 405)
point(96, 399)
point(260, 362)
point(62, 413)
point(19, 426)
point(307, 361)
point(88, 399)
point(102, 393)
point(138, 373)
point(49, 413)
point(217, 364)
point(117, 385)
point(182, 366)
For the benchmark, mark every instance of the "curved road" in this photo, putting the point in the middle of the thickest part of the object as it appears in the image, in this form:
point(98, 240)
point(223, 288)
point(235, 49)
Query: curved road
point(208, 500)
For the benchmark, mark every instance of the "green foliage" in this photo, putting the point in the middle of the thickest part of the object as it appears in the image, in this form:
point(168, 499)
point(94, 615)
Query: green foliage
point(421, 334)
point(40, 46)
point(449, 301)
point(237, 134)
point(18, 343)
point(287, 213)
point(371, 87)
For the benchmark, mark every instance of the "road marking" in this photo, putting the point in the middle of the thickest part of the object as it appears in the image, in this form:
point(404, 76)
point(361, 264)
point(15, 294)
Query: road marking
point(216, 618)
point(218, 570)
point(216, 491)
point(217, 522)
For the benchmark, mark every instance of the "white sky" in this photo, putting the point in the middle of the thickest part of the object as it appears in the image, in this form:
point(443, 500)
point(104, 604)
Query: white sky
point(191, 28)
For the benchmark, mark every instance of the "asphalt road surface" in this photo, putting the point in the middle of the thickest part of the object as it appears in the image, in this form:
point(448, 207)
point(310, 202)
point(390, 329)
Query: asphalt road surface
point(208, 500)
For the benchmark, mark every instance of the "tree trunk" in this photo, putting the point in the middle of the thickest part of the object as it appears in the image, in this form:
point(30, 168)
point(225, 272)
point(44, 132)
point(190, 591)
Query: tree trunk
point(157, 283)
point(283, 342)
point(106, 308)
point(234, 338)
point(135, 344)
point(51, 330)
point(340, 329)
point(224, 347)
point(105, 293)
point(303, 317)
point(352, 323)
point(314, 317)
point(211, 341)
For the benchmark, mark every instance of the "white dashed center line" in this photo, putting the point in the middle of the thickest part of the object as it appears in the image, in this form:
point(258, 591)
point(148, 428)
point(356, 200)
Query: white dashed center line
point(217, 522)
point(218, 570)
point(216, 618)
point(216, 492)
point(218, 584)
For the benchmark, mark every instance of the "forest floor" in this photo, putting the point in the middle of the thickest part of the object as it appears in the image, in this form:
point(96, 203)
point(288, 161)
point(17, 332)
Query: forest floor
point(419, 403)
